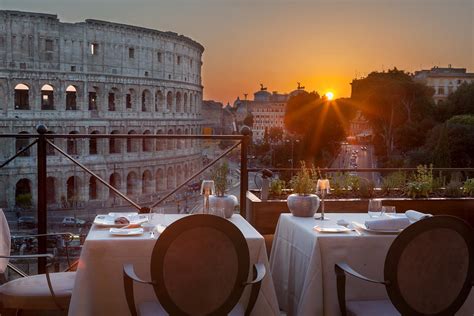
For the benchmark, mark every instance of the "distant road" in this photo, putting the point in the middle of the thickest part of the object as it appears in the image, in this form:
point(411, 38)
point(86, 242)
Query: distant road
point(364, 159)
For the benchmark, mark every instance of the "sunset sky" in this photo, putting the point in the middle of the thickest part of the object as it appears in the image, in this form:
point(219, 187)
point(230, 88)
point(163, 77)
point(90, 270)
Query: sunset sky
point(323, 44)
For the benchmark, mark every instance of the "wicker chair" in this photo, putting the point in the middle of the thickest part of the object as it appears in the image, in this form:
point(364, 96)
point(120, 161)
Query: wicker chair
point(199, 266)
point(49, 291)
point(429, 270)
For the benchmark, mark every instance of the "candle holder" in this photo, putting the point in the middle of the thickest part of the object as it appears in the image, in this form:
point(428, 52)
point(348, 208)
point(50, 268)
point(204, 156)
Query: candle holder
point(322, 187)
point(207, 188)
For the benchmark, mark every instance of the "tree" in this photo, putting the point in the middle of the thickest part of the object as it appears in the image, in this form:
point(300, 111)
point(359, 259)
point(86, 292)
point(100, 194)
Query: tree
point(451, 144)
point(275, 134)
point(320, 124)
point(441, 154)
point(389, 100)
point(460, 102)
point(248, 120)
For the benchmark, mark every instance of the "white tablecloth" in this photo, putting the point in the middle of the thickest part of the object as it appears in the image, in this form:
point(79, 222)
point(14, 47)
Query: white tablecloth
point(99, 284)
point(302, 264)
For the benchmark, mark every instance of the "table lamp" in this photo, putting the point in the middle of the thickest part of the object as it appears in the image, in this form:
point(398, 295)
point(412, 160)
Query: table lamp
point(322, 187)
point(207, 188)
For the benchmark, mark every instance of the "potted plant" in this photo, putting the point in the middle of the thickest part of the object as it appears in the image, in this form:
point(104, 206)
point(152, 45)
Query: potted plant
point(302, 202)
point(220, 200)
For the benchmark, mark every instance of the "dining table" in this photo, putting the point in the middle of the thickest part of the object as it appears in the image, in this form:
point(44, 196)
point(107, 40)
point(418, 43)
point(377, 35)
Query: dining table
point(99, 289)
point(302, 263)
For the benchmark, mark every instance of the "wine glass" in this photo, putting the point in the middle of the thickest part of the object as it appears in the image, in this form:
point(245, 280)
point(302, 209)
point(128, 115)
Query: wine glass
point(375, 207)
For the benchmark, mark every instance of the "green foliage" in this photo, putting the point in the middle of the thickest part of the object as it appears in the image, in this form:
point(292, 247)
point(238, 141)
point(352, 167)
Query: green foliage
point(354, 182)
point(462, 119)
point(366, 188)
point(342, 183)
point(392, 102)
point(441, 155)
point(275, 134)
point(277, 186)
point(339, 183)
point(395, 180)
point(302, 183)
point(468, 187)
point(248, 120)
point(454, 189)
point(219, 175)
point(461, 101)
point(422, 183)
point(23, 200)
point(318, 123)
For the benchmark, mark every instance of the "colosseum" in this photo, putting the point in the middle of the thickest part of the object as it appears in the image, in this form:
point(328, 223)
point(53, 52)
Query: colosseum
point(97, 77)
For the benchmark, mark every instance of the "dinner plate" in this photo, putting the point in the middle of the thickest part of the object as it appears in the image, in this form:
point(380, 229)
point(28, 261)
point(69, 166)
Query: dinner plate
point(126, 214)
point(375, 231)
point(126, 231)
point(109, 220)
point(332, 229)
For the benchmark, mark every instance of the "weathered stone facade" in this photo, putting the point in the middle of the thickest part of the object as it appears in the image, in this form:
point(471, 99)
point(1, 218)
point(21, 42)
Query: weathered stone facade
point(97, 77)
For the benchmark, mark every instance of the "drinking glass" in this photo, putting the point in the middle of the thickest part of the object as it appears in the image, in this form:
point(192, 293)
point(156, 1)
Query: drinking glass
point(388, 210)
point(375, 208)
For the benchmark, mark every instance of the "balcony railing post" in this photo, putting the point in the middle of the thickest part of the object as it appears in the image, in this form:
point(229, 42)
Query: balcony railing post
point(244, 177)
point(42, 192)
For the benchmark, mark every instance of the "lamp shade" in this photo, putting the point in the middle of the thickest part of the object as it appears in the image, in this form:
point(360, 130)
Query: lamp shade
point(322, 185)
point(207, 187)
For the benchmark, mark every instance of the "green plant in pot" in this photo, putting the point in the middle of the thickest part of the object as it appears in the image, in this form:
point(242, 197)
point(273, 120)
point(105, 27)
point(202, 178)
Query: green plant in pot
point(303, 202)
point(220, 200)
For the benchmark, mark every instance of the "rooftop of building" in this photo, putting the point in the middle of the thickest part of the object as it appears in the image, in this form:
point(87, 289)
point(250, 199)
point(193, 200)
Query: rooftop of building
point(49, 16)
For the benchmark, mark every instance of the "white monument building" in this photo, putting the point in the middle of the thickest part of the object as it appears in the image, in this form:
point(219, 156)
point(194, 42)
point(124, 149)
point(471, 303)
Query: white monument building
point(97, 77)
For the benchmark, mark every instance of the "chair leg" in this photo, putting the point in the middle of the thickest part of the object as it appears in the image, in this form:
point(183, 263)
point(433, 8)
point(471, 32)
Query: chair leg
point(253, 294)
point(341, 289)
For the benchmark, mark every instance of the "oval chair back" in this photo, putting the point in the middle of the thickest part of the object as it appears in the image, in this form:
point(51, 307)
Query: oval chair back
point(200, 264)
point(430, 266)
point(5, 242)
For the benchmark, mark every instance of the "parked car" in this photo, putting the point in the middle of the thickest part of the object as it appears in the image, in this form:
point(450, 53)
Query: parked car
point(26, 222)
point(71, 221)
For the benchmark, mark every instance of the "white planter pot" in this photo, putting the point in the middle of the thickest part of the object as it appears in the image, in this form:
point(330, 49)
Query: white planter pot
point(303, 205)
point(226, 202)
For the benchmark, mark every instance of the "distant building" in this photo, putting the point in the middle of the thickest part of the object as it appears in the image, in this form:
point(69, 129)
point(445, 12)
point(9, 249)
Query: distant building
point(360, 129)
point(97, 77)
point(217, 120)
point(268, 110)
point(443, 80)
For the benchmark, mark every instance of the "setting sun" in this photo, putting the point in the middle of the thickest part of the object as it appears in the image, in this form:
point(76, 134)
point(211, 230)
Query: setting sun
point(329, 95)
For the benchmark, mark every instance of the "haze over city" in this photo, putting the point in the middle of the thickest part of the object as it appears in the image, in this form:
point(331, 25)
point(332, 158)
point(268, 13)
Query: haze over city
point(322, 44)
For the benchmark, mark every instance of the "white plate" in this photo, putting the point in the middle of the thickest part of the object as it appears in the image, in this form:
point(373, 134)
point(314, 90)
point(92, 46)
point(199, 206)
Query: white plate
point(375, 231)
point(118, 214)
point(109, 221)
point(126, 231)
point(333, 229)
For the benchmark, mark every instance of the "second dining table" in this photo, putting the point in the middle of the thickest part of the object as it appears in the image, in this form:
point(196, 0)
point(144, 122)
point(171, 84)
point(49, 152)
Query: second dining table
point(99, 287)
point(302, 264)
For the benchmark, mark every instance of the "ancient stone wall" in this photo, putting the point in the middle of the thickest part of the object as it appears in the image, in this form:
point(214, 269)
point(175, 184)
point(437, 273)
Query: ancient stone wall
point(102, 78)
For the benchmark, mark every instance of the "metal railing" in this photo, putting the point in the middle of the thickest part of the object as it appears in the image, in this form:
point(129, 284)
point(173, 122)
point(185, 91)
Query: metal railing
point(43, 139)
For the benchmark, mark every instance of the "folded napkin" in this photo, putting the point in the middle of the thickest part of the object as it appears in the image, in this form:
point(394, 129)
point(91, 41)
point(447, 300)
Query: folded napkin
point(415, 216)
point(388, 223)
